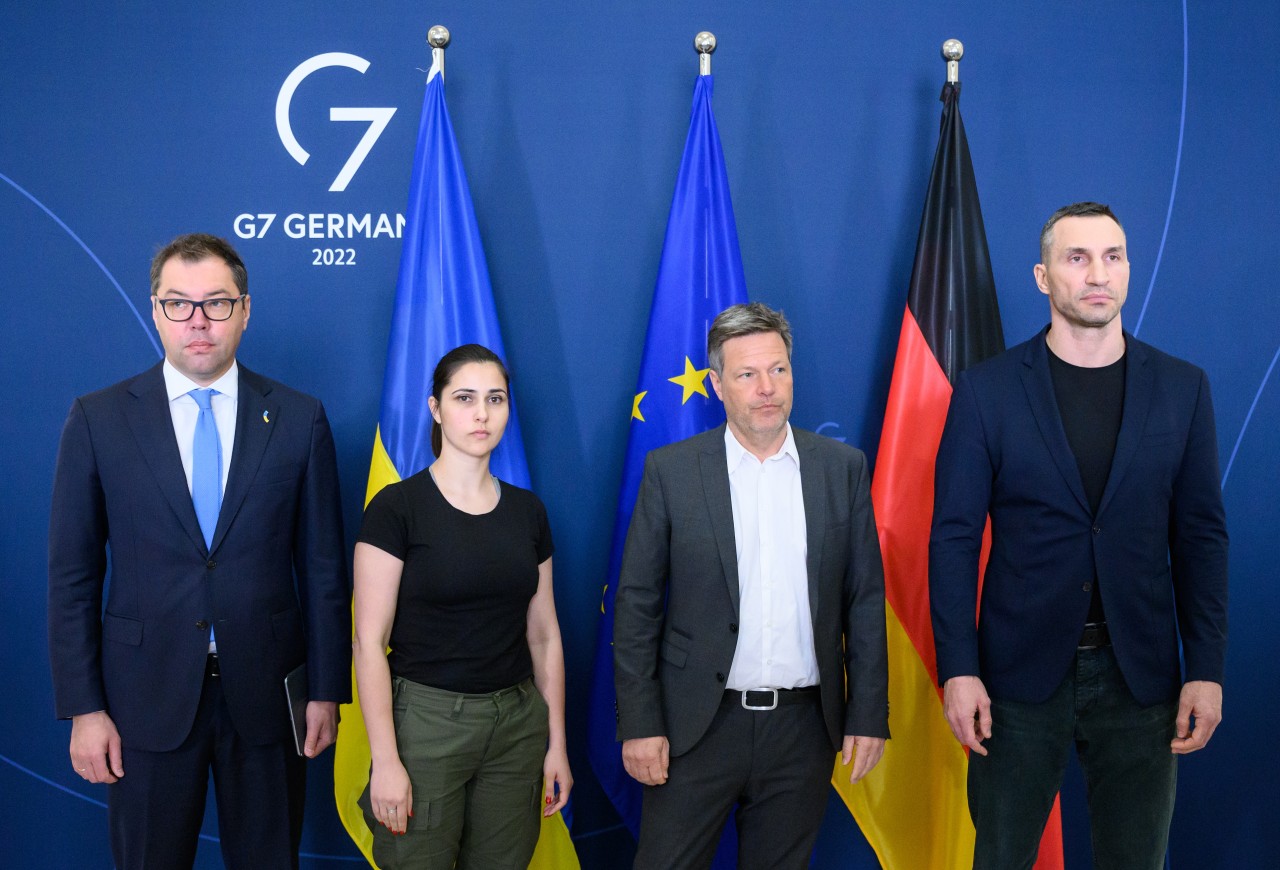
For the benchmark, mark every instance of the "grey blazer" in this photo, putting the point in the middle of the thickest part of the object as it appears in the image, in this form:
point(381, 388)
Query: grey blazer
point(676, 608)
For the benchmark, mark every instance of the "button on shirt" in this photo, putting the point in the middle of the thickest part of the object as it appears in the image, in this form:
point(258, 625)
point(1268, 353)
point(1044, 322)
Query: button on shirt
point(184, 411)
point(775, 628)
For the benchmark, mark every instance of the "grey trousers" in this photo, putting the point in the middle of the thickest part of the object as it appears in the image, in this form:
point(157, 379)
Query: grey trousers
point(771, 769)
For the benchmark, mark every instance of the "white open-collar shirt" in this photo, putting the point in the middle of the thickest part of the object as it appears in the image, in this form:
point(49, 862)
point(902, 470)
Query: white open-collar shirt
point(775, 629)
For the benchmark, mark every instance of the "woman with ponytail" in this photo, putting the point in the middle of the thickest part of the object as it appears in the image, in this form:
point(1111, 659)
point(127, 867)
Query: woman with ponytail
point(465, 715)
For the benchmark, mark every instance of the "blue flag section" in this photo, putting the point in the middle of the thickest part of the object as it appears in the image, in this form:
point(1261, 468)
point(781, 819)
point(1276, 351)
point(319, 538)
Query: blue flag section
point(443, 298)
point(700, 274)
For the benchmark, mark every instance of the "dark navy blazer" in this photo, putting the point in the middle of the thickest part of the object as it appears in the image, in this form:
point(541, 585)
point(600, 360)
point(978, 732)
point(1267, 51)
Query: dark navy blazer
point(1158, 545)
point(274, 583)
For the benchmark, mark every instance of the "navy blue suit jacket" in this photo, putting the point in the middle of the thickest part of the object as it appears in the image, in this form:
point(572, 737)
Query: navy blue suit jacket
point(1158, 545)
point(274, 583)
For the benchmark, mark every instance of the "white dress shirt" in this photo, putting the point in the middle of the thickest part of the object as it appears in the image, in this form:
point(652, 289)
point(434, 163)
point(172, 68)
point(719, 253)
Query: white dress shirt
point(775, 627)
point(184, 411)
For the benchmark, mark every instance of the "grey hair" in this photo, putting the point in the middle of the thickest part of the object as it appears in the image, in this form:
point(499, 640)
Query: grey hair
point(736, 321)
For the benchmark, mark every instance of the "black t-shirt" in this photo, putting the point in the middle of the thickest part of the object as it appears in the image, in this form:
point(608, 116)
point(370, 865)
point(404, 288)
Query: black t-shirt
point(1091, 404)
point(467, 581)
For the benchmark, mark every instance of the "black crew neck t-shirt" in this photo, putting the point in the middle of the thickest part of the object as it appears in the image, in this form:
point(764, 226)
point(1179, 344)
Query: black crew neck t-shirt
point(464, 594)
point(1091, 404)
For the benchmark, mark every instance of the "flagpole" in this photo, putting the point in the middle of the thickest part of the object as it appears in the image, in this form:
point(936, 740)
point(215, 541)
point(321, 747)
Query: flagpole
point(438, 38)
point(705, 44)
point(952, 51)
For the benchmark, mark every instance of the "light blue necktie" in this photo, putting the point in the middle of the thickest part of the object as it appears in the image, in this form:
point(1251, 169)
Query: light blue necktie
point(206, 466)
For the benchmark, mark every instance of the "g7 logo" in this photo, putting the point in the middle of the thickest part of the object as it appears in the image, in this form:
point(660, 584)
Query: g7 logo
point(377, 118)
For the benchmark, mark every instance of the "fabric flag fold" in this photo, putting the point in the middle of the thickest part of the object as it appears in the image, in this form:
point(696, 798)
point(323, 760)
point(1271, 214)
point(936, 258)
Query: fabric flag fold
point(913, 807)
point(443, 300)
point(699, 275)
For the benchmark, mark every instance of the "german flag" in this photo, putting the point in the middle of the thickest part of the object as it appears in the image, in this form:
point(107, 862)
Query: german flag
point(913, 807)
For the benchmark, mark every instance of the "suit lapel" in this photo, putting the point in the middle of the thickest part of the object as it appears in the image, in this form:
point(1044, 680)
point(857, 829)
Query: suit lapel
point(150, 420)
point(714, 469)
point(1138, 380)
point(256, 416)
point(813, 484)
point(1038, 384)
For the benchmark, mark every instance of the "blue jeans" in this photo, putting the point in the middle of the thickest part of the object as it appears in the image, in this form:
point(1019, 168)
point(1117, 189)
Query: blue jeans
point(1130, 772)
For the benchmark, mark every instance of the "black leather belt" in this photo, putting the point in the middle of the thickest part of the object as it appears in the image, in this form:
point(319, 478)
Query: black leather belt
point(1095, 634)
point(211, 668)
point(763, 700)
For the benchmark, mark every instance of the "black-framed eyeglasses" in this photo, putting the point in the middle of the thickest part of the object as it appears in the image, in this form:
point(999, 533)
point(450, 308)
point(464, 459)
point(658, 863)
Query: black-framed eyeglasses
point(180, 310)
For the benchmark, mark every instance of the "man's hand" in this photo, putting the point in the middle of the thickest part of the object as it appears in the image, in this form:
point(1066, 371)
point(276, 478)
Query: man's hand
point(95, 747)
point(322, 727)
point(1201, 700)
point(864, 752)
point(646, 759)
point(968, 710)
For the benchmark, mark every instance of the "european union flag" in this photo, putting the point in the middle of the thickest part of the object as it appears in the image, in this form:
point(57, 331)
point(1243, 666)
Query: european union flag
point(700, 275)
point(443, 300)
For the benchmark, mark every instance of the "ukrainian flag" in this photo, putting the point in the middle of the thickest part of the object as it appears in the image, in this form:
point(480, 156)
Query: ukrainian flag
point(443, 300)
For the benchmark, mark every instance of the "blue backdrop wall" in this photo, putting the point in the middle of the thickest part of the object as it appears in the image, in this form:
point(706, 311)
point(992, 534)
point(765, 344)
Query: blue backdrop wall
point(125, 124)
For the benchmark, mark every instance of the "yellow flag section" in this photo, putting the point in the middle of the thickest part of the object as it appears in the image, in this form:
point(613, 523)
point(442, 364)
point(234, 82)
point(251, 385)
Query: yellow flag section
point(351, 755)
point(912, 808)
point(381, 473)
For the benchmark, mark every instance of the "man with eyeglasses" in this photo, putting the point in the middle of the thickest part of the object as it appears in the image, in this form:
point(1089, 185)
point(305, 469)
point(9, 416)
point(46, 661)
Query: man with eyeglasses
point(212, 494)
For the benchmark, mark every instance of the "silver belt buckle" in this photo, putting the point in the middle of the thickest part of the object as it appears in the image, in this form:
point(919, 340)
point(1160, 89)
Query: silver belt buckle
point(747, 706)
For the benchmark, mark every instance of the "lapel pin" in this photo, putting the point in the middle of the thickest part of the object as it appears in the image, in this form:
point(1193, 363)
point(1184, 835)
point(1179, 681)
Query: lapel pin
point(266, 416)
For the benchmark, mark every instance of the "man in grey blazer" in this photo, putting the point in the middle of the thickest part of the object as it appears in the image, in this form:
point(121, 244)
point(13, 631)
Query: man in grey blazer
point(749, 632)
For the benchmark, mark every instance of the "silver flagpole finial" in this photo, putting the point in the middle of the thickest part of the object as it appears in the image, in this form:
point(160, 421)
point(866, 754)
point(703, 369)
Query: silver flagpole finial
point(438, 39)
point(705, 44)
point(952, 51)
point(438, 36)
